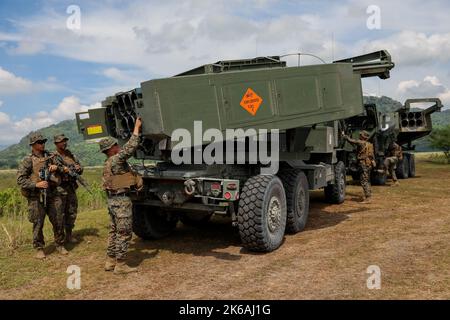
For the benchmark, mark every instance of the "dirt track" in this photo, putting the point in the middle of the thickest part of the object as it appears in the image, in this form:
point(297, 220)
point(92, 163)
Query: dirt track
point(408, 239)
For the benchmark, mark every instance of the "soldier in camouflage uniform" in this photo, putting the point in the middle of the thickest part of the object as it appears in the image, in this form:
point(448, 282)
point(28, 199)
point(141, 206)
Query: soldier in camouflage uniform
point(394, 156)
point(32, 186)
point(118, 181)
point(69, 184)
point(366, 161)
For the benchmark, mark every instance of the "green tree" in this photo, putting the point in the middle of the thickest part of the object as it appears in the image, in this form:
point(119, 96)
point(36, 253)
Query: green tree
point(440, 139)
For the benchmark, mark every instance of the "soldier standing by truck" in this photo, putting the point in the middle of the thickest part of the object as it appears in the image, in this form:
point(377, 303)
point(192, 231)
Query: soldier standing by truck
point(394, 156)
point(366, 161)
point(118, 181)
point(38, 177)
point(69, 184)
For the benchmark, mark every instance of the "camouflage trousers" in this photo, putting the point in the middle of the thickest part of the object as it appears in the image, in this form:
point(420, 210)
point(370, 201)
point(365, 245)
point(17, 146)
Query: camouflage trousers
point(391, 164)
point(36, 215)
point(365, 180)
point(120, 233)
point(70, 208)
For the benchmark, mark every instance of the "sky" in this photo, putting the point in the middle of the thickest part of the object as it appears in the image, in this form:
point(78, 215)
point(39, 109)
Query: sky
point(57, 59)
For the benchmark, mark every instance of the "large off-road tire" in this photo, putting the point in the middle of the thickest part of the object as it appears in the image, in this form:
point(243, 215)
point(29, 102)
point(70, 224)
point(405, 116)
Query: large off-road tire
point(195, 219)
point(296, 187)
point(151, 223)
point(412, 165)
point(335, 193)
point(262, 213)
point(402, 170)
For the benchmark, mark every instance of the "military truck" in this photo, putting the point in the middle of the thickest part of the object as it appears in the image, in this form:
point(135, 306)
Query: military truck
point(304, 104)
point(403, 126)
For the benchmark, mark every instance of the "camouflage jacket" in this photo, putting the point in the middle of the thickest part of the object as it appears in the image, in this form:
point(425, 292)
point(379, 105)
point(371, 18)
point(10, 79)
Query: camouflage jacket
point(27, 177)
point(117, 164)
point(364, 150)
point(396, 152)
point(70, 159)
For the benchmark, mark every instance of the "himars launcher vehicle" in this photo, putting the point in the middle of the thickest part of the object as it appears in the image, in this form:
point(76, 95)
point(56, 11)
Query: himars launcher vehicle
point(305, 103)
point(402, 126)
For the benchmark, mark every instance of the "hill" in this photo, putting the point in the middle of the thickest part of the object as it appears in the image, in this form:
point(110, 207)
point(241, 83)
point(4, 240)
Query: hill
point(89, 155)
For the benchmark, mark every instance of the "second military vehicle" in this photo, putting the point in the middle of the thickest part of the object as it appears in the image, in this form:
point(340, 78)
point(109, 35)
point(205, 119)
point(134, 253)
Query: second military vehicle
point(402, 126)
point(304, 103)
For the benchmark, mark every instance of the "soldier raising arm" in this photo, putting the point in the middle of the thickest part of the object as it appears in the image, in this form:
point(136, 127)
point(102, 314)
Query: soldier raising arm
point(366, 161)
point(118, 181)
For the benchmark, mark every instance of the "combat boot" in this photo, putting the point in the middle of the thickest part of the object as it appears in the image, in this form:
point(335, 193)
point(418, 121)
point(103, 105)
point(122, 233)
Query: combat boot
point(40, 254)
point(367, 200)
point(70, 238)
point(110, 263)
point(123, 268)
point(62, 250)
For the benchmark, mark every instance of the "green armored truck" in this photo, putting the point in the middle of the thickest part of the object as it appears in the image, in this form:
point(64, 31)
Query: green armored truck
point(402, 126)
point(292, 112)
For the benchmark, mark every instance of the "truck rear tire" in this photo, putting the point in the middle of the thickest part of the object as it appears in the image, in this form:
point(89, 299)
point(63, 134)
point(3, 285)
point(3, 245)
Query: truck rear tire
point(412, 165)
point(402, 170)
point(335, 193)
point(296, 187)
point(262, 213)
point(150, 223)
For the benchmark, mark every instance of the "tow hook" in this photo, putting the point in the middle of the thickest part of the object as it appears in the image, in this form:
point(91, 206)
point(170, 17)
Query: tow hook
point(189, 187)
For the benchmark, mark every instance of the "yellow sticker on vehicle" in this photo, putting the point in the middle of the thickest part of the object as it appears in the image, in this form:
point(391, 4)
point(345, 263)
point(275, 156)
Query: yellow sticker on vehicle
point(251, 101)
point(98, 129)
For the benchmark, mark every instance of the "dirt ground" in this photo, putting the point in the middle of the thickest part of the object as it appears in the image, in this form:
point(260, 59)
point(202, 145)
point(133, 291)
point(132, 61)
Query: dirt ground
point(405, 231)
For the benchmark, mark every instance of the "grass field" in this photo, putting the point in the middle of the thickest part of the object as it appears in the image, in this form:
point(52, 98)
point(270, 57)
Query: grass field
point(405, 231)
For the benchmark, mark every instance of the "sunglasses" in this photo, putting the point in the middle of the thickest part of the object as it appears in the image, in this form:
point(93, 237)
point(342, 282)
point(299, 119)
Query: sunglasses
point(40, 142)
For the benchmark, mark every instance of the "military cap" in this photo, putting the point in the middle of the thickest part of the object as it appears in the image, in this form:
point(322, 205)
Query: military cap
point(107, 143)
point(364, 134)
point(35, 137)
point(59, 138)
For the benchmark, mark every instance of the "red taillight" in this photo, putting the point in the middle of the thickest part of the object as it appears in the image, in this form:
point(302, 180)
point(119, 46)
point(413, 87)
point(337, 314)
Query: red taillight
point(215, 186)
point(227, 195)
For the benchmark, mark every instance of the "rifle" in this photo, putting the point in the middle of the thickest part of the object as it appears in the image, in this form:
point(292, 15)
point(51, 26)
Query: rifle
point(73, 173)
point(44, 175)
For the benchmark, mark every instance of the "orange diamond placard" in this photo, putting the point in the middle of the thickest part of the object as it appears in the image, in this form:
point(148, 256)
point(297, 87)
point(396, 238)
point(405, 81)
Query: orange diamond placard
point(251, 101)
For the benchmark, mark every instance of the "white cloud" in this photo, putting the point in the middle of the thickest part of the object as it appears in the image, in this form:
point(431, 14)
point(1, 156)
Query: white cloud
point(12, 84)
point(414, 48)
point(429, 87)
point(12, 130)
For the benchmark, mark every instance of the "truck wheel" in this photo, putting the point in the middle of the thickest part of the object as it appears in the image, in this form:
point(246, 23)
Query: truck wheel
point(402, 170)
point(297, 197)
point(262, 213)
point(335, 193)
point(151, 223)
point(195, 219)
point(412, 165)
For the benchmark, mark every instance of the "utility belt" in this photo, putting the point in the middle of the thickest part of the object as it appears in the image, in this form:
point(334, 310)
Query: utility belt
point(119, 193)
point(123, 183)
